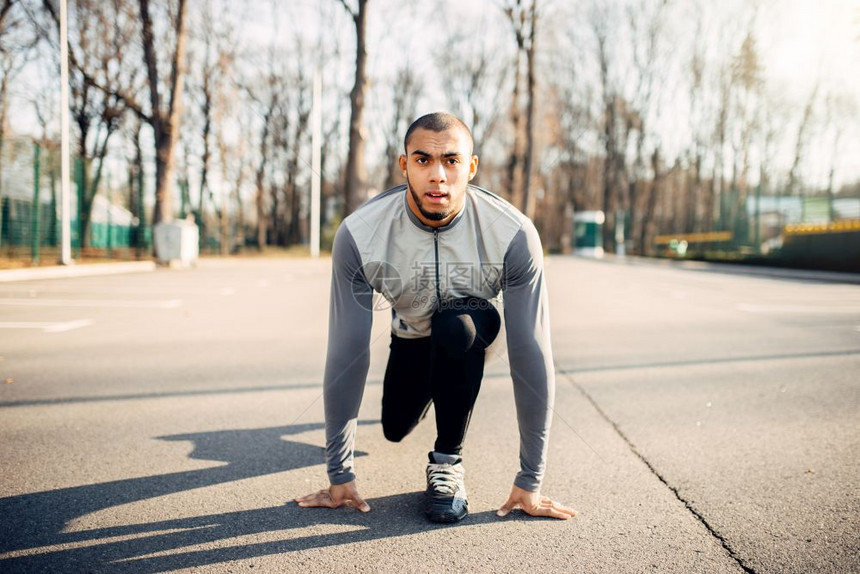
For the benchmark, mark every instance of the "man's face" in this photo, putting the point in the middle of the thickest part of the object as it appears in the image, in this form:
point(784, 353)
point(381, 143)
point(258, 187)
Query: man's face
point(438, 166)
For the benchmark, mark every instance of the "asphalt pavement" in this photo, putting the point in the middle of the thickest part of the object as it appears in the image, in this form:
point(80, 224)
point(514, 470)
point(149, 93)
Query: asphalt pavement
point(705, 421)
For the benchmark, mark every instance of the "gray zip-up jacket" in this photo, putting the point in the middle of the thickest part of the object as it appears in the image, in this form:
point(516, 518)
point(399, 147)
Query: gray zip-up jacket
point(488, 248)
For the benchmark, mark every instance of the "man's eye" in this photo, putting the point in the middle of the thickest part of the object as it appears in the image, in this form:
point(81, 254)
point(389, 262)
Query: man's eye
point(421, 160)
point(453, 161)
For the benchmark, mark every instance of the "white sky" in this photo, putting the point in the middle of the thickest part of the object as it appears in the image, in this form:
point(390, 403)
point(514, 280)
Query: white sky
point(801, 42)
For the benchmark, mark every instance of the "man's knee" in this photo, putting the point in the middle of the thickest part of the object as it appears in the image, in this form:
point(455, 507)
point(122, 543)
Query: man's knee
point(394, 433)
point(465, 323)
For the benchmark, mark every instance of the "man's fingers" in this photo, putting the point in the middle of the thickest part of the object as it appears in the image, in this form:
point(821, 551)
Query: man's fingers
point(311, 496)
point(547, 502)
point(360, 503)
point(566, 509)
point(315, 502)
point(321, 498)
point(507, 507)
point(549, 512)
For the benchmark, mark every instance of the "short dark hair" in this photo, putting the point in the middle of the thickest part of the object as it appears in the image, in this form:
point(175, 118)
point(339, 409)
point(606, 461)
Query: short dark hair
point(438, 122)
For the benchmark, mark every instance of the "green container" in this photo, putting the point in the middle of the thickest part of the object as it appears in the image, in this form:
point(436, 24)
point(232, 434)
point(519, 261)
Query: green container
point(588, 233)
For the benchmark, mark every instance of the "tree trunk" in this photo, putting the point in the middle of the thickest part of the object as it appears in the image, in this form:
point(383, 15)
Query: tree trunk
point(240, 208)
point(4, 118)
point(649, 222)
point(527, 206)
point(356, 171)
point(260, 198)
point(165, 124)
point(207, 153)
point(261, 211)
point(514, 168)
point(608, 205)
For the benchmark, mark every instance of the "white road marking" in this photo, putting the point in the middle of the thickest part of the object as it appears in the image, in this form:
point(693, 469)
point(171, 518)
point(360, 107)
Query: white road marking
point(68, 326)
point(49, 327)
point(168, 304)
point(749, 308)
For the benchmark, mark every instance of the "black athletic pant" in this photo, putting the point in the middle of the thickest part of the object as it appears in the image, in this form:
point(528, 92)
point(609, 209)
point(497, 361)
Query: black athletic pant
point(445, 368)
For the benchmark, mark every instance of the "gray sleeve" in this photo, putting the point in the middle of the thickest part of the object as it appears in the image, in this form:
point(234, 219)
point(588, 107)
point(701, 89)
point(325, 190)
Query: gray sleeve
point(528, 337)
point(348, 355)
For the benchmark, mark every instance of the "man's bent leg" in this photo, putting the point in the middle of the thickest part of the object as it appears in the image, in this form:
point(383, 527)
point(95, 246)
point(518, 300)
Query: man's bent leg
point(406, 388)
point(461, 332)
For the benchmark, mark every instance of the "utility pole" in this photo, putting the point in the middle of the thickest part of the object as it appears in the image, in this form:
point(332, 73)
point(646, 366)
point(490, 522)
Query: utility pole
point(316, 176)
point(36, 231)
point(65, 191)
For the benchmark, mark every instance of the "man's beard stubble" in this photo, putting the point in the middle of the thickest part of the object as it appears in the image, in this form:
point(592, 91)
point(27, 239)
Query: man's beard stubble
point(430, 215)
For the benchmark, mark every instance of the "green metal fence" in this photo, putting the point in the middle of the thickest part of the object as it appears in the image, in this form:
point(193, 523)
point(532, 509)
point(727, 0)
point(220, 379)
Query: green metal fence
point(30, 212)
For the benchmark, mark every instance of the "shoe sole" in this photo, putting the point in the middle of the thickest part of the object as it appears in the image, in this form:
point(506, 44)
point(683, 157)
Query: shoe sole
point(446, 518)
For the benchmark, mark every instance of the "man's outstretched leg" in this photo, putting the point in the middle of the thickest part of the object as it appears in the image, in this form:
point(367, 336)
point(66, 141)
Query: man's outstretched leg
point(461, 333)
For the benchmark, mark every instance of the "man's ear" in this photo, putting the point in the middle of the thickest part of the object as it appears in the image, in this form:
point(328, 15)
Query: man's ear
point(473, 167)
point(402, 162)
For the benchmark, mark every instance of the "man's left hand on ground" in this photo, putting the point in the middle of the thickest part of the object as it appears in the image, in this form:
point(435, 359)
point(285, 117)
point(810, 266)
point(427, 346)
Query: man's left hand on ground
point(536, 505)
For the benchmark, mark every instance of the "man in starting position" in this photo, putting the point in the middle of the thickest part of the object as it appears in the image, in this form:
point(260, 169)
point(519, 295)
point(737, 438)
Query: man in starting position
point(459, 246)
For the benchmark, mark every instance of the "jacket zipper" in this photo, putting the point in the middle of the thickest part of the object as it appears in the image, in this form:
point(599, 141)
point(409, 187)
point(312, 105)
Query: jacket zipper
point(436, 249)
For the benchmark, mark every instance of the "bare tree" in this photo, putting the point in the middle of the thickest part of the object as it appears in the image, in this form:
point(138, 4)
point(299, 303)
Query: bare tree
point(701, 198)
point(164, 113)
point(99, 77)
point(611, 105)
point(164, 120)
point(17, 42)
point(136, 188)
point(523, 19)
point(405, 91)
point(265, 95)
point(294, 116)
point(213, 44)
point(747, 80)
point(646, 22)
point(46, 105)
point(356, 170)
point(839, 105)
point(329, 52)
point(795, 183)
point(225, 95)
point(475, 77)
point(569, 121)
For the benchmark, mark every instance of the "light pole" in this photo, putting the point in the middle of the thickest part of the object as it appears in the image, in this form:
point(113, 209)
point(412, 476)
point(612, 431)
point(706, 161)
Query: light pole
point(65, 191)
point(316, 176)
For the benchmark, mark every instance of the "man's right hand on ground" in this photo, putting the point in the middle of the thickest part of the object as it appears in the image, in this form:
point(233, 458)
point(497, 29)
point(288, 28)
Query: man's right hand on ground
point(335, 496)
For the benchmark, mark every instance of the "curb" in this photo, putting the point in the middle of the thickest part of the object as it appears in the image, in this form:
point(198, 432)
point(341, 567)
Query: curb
point(85, 270)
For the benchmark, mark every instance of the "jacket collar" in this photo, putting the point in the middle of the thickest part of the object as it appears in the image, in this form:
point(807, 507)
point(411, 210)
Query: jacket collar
point(414, 218)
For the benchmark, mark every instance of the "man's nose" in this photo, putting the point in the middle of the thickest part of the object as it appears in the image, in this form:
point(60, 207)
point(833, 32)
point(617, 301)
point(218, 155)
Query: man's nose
point(437, 173)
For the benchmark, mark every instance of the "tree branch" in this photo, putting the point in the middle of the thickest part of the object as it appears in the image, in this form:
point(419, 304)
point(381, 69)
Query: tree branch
point(346, 7)
point(88, 78)
point(151, 64)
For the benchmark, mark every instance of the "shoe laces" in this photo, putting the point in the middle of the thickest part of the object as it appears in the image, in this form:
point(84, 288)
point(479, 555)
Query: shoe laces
point(444, 478)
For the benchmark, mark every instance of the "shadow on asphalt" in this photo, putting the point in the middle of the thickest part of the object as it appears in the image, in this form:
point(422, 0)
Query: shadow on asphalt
point(32, 527)
point(392, 516)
